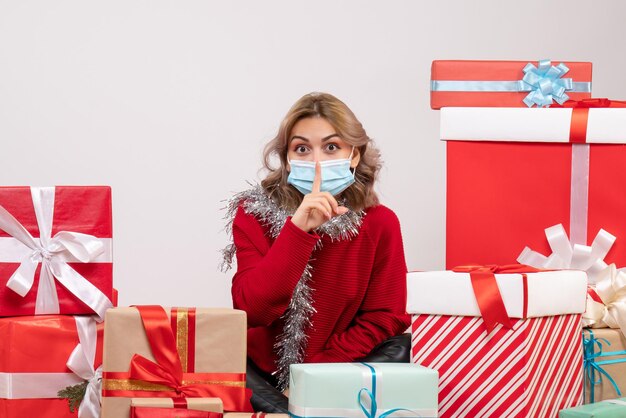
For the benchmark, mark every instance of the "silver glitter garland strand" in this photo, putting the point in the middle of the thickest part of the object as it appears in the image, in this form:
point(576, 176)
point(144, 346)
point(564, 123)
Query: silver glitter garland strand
point(291, 343)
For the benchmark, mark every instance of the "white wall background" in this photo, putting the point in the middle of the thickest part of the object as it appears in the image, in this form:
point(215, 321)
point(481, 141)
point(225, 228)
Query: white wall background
point(171, 102)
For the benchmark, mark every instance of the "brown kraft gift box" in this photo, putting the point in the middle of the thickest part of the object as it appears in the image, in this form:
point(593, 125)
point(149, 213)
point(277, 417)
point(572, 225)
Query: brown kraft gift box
point(218, 361)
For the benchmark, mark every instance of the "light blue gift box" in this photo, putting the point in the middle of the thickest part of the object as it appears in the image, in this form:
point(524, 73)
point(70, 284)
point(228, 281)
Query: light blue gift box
point(362, 390)
point(611, 408)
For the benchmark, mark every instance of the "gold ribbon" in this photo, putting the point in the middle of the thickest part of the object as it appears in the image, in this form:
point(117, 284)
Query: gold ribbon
point(182, 331)
point(139, 385)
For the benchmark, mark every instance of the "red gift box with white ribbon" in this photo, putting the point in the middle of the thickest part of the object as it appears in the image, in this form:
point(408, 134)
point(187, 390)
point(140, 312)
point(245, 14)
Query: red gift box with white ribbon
point(44, 354)
point(514, 172)
point(55, 250)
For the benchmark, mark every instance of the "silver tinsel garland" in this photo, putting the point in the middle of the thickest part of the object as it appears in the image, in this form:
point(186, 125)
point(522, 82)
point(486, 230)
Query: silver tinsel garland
point(290, 345)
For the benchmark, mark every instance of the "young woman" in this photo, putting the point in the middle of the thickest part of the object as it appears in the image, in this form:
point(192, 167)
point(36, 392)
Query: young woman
point(320, 262)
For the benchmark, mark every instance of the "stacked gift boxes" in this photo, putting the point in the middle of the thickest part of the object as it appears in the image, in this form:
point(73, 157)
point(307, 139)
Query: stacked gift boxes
point(508, 173)
point(55, 259)
point(528, 151)
point(55, 262)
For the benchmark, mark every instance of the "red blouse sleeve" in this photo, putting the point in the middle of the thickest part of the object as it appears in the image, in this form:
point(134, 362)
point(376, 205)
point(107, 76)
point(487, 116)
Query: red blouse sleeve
point(267, 273)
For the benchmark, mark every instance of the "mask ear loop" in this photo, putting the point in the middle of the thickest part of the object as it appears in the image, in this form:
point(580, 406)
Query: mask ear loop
point(350, 158)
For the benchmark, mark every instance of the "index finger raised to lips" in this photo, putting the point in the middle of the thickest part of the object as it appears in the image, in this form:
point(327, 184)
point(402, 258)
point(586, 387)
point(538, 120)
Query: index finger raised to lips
point(317, 181)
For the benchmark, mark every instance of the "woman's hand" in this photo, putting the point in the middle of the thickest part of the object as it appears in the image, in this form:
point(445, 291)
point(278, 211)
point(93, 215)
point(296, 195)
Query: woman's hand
point(317, 207)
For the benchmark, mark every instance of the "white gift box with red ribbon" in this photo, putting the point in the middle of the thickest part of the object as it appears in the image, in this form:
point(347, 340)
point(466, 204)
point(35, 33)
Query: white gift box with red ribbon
point(529, 295)
point(531, 368)
point(604, 125)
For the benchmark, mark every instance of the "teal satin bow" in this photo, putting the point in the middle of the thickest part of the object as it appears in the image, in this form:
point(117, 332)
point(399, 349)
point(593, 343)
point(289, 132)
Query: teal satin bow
point(545, 84)
point(591, 366)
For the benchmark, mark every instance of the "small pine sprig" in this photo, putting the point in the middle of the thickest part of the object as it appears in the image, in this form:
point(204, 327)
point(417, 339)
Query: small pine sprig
point(74, 394)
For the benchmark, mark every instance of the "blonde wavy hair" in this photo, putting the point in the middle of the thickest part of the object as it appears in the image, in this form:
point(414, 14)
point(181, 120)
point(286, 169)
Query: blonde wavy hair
point(360, 194)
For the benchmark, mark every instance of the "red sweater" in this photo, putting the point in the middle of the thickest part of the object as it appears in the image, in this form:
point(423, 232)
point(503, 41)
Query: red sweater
point(359, 286)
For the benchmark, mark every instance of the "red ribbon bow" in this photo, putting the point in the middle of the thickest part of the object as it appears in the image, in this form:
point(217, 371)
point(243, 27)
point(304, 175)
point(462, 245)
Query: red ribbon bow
point(487, 292)
point(580, 115)
point(168, 371)
point(589, 103)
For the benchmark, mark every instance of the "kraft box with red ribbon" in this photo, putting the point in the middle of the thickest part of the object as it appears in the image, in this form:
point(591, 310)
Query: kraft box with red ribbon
point(460, 83)
point(55, 250)
point(506, 340)
point(146, 412)
point(43, 355)
point(514, 172)
point(153, 352)
point(176, 408)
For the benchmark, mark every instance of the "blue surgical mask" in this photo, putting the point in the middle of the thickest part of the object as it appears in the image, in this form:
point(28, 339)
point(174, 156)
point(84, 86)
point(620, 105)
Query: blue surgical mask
point(336, 175)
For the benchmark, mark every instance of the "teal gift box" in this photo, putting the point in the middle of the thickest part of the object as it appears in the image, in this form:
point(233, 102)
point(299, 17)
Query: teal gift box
point(611, 408)
point(370, 390)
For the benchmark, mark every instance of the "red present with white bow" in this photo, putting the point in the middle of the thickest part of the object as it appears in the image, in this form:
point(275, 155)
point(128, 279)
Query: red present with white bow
point(505, 340)
point(55, 250)
point(42, 355)
point(513, 172)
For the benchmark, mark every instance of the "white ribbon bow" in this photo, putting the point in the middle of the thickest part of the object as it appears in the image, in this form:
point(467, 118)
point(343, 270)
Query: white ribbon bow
point(53, 254)
point(571, 257)
point(611, 288)
point(47, 385)
point(81, 362)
